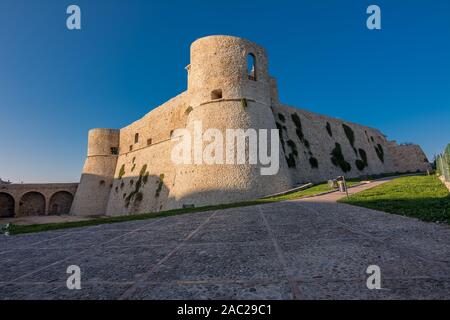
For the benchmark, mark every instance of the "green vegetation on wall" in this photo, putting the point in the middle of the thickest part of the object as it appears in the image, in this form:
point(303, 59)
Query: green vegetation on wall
point(298, 124)
point(293, 147)
point(337, 158)
point(361, 163)
point(350, 135)
point(160, 183)
point(291, 161)
point(313, 162)
point(135, 195)
point(280, 132)
point(328, 126)
point(122, 171)
point(188, 110)
point(380, 152)
point(244, 103)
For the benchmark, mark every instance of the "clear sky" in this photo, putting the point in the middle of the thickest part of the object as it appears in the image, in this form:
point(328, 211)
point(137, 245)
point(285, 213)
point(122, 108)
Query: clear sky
point(130, 55)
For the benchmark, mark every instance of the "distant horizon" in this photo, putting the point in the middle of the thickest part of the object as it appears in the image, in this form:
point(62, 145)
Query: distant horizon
point(129, 58)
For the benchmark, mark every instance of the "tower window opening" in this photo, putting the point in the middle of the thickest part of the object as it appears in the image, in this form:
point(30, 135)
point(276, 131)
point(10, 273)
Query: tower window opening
point(149, 141)
point(216, 94)
point(251, 66)
point(136, 138)
point(114, 151)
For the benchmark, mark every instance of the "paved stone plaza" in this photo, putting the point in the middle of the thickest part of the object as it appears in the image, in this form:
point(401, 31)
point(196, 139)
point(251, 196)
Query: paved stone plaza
point(290, 250)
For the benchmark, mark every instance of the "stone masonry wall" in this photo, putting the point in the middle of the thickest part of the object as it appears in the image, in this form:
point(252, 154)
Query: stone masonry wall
point(223, 95)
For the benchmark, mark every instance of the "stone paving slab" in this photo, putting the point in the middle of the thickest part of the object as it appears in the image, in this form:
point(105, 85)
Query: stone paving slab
point(289, 250)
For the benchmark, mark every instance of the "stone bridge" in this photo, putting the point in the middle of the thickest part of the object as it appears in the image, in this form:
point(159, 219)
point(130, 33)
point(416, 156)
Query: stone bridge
point(18, 200)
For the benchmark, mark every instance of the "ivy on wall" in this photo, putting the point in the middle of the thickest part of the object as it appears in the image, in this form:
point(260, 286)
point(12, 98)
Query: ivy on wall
point(160, 183)
point(122, 171)
point(380, 152)
point(188, 110)
point(313, 162)
point(350, 135)
point(136, 195)
point(293, 147)
point(337, 158)
point(361, 163)
point(328, 126)
point(280, 132)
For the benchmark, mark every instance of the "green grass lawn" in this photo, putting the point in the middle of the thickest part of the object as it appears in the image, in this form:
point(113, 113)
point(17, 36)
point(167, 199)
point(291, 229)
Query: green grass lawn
point(423, 197)
point(317, 189)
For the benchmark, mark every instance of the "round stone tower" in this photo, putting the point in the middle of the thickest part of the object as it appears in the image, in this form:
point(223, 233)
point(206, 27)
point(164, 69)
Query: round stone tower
point(97, 176)
point(229, 88)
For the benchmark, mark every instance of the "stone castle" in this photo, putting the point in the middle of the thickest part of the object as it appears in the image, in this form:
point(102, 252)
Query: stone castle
point(130, 170)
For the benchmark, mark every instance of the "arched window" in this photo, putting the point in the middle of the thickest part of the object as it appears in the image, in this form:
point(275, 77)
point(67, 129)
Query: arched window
point(251, 66)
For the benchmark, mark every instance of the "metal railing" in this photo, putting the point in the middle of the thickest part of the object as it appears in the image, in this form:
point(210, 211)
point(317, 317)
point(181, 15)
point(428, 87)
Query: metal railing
point(443, 164)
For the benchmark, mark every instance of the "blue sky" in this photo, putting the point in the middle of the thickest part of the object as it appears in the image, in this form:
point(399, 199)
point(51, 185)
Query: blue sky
point(129, 57)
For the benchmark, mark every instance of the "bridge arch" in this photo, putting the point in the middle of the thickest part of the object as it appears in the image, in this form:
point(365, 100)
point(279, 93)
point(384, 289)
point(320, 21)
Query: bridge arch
point(32, 204)
point(60, 203)
point(7, 204)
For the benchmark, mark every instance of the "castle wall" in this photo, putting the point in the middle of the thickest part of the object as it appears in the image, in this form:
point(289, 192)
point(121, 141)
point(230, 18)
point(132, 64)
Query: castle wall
point(408, 158)
point(36, 199)
point(147, 172)
point(98, 173)
point(223, 94)
point(321, 144)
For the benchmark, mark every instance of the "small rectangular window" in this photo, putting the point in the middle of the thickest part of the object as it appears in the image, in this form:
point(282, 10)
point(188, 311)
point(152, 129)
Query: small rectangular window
point(216, 94)
point(131, 148)
point(149, 142)
point(136, 138)
point(114, 151)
